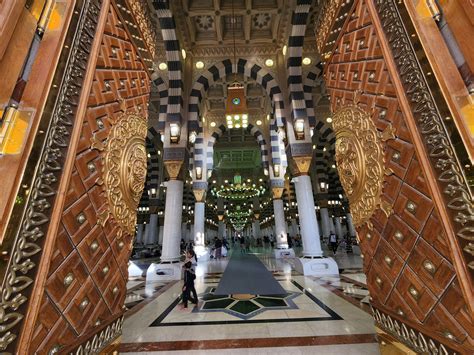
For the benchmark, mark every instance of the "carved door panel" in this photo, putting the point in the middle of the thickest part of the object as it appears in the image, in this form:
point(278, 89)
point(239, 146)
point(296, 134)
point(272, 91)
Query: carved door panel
point(78, 299)
point(413, 278)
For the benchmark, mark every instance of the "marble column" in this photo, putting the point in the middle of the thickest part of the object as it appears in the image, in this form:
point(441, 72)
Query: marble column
point(160, 235)
point(281, 231)
point(146, 233)
point(337, 222)
point(139, 238)
point(256, 229)
point(294, 227)
point(199, 217)
point(331, 225)
point(307, 215)
point(350, 226)
point(173, 217)
point(325, 223)
point(152, 237)
point(221, 229)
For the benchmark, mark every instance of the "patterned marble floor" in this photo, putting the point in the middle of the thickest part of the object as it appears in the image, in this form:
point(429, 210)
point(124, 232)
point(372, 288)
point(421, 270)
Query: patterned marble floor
point(318, 315)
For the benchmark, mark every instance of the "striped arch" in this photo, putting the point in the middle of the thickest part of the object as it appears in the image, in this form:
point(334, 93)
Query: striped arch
point(162, 91)
point(299, 20)
point(324, 137)
point(220, 70)
point(153, 166)
point(312, 79)
point(224, 68)
point(173, 59)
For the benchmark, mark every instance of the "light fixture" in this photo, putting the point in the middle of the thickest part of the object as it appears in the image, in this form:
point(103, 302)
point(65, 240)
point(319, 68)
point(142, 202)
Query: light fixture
point(311, 132)
point(258, 122)
point(329, 120)
point(237, 125)
point(299, 128)
point(153, 191)
point(333, 166)
point(175, 131)
point(199, 65)
point(306, 61)
point(183, 53)
point(284, 49)
point(192, 137)
point(268, 117)
point(198, 172)
point(269, 62)
point(213, 124)
point(276, 170)
point(162, 66)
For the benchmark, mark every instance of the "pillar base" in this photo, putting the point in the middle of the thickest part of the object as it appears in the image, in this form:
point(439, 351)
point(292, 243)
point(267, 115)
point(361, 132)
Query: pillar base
point(164, 272)
point(316, 266)
point(134, 270)
point(356, 250)
point(284, 253)
point(202, 253)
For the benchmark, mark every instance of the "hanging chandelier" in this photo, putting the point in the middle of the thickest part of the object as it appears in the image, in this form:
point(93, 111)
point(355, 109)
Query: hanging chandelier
point(236, 105)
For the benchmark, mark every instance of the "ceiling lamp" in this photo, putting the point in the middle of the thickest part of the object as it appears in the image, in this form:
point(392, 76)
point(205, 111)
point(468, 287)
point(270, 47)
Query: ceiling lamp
point(162, 66)
point(213, 124)
point(258, 123)
point(269, 62)
point(329, 120)
point(306, 61)
point(284, 49)
point(236, 104)
point(199, 65)
point(183, 53)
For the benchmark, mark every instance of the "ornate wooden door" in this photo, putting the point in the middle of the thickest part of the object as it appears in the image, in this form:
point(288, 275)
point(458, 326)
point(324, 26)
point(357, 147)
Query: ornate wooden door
point(65, 283)
point(407, 194)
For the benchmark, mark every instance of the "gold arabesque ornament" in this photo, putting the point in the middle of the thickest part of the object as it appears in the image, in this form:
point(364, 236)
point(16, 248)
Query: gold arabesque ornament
point(360, 161)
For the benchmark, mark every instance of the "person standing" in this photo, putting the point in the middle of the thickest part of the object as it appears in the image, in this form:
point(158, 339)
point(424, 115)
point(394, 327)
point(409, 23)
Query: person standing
point(188, 287)
point(242, 244)
point(333, 241)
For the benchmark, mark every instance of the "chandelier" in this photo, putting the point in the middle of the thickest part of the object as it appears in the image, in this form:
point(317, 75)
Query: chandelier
point(238, 192)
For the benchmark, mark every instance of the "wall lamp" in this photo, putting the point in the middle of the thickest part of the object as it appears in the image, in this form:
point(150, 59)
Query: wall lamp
point(175, 132)
point(299, 129)
point(198, 172)
point(192, 137)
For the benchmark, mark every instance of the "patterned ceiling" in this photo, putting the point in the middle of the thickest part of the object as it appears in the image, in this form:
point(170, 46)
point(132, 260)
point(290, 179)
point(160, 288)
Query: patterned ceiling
point(260, 25)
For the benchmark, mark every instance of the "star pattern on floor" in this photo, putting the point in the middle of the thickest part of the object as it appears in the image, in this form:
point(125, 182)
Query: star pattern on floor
point(244, 306)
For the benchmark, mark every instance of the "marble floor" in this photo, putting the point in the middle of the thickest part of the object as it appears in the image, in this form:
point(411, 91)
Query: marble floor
point(317, 315)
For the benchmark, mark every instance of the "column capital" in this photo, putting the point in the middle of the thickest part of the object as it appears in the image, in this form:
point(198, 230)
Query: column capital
point(300, 165)
point(323, 204)
point(200, 195)
point(173, 168)
point(277, 192)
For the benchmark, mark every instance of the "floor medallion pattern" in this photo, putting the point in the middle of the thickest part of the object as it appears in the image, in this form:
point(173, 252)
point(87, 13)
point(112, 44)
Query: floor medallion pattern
point(244, 306)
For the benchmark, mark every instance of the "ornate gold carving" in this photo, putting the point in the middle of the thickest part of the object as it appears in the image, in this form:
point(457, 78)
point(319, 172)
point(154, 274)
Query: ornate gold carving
point(200, 195)
point(143, 17)
point(360, 161)
point(173, 167)
point(326, 19)
point(277, 192)
point(124, 169)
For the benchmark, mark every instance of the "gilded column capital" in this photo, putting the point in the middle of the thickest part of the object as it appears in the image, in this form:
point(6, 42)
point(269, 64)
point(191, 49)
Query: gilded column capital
point(173, 168)
point(200, 195)
point(277, 192)
point(300, 165)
